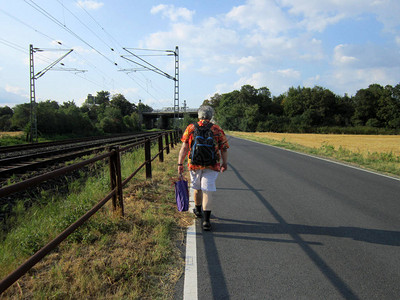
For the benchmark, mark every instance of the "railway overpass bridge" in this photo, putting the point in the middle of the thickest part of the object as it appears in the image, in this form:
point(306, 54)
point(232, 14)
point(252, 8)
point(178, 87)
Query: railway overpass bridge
point(160, 118)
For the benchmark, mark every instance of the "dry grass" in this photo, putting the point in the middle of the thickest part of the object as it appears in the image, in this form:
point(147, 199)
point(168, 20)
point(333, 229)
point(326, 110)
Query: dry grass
point(355, 143)
point(137, 257)
point(11, 133)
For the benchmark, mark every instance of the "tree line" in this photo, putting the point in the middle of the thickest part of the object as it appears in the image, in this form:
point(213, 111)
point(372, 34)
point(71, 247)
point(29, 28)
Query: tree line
point(100, 114)
point(375, 109)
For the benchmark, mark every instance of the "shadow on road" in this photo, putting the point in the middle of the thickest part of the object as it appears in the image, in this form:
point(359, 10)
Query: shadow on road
point(294, 231)
point(375, 236)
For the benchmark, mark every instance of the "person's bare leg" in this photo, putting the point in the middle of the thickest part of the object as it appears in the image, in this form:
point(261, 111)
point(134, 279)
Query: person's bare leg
point(198, 199)
point(207, 200)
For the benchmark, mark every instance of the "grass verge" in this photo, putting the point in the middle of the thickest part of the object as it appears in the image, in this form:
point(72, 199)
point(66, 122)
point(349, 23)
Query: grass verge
point(132, 257)
point(383, 162)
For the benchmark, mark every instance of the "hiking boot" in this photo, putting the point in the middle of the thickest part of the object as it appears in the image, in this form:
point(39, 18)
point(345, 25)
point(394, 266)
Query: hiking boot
point(197, 213)
point(207, 225)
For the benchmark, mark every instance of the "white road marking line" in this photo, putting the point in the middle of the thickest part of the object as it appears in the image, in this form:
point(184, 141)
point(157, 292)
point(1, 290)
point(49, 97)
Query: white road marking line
point(190, 281)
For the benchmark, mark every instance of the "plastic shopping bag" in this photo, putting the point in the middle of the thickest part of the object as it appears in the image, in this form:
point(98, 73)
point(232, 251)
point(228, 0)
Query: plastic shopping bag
point(182, 194)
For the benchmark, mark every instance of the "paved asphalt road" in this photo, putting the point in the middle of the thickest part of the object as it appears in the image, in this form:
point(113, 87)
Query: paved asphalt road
point(289, 226)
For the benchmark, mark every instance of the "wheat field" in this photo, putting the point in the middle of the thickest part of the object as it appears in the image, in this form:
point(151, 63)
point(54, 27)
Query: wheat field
point(11, 133)
point(362, 144)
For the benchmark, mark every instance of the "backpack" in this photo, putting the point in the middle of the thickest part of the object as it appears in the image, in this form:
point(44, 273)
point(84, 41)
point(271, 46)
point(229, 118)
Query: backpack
point(203, 148)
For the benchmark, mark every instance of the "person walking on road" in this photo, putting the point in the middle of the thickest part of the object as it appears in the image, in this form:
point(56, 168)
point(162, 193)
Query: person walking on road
point(205, 144)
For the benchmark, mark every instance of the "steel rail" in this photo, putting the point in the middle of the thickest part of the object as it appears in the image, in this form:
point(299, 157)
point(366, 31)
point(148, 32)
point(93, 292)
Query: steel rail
point(22, 163)
point(4, 191)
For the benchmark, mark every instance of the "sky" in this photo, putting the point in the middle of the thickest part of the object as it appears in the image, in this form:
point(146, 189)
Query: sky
point(342, 45)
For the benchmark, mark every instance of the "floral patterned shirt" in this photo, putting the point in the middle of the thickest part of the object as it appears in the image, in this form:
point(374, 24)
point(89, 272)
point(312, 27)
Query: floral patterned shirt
point(221, 144)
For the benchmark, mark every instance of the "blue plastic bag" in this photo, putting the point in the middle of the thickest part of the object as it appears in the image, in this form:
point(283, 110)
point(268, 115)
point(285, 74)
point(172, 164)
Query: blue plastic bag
point(182, 194)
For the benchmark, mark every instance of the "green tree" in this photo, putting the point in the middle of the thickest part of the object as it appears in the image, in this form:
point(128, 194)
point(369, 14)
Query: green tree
point(244, 109)
point(6, 114)
point(119, 101)
point(102, 98)
point(213, 101)
point(388, 111)
point(294, 102)
point(144, 107)
point(132, 122)
point(48, 121)
point(111, 121)
point(366, 104)
point(74, 121)
point(21, 117)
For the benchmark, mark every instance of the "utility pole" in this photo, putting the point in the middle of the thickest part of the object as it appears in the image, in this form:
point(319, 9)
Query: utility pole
point(33, 118)
point(149, 67)
point(33, 106)
point(176, 89)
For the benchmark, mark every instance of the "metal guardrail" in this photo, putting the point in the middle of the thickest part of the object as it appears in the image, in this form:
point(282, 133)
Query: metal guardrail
point(116, 194)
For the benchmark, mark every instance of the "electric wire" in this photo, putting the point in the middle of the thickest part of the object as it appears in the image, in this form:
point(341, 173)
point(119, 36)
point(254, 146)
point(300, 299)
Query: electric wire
point(116, 41)
point(26, 24)
point(56, 21)
point(102, 28)
point(120, 69)
point(14, 46)
point(87, 27)
point(53, 39)
point(66, 28)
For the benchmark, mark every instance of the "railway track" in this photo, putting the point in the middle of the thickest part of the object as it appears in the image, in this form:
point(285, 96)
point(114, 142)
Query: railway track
point(18, 161)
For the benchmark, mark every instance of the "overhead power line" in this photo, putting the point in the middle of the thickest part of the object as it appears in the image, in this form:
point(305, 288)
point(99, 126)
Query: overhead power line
point(26, 24)
point(145, 64)
point(12, 45)
point(56, 21)
point(87, 27)
point(148, 66)
point(102, 28)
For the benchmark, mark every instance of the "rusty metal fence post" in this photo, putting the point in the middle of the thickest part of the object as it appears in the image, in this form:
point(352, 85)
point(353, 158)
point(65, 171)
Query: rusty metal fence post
point(160, 148)
point(167, 142)
point(172, 139)
point(116, 180)
point(147, 154)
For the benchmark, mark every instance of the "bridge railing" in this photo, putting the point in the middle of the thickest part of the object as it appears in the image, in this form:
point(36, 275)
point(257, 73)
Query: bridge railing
point(171, 109)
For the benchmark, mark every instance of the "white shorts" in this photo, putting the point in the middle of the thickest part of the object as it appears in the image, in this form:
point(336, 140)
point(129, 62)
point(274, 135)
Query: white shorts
point(204, 180)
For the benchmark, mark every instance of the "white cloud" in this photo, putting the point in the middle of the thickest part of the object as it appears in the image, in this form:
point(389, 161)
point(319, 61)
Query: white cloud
point(340, 58)
point(17, 90)
point(312, 81)
point(208, 45)
point(89, 4)
point(317, 15)
point(173, 13)
point(277, 44)
point(127, 92)
point(289, 73)
point(351, 80)
point(264, 15)
point(365, 56)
